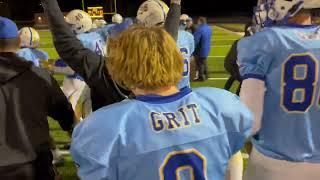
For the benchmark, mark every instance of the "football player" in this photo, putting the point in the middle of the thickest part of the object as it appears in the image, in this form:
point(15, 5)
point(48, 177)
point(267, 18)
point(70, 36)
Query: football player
point(280, 67)
point(186, 45)
point(183, 21)
point(154, 13)
point(81, 24)
point(163, 133)
point(29, 42)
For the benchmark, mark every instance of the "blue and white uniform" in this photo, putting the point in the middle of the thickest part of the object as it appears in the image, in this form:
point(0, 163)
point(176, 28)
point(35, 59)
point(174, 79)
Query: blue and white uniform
point(186, 45)
point(33, 55)
point(93, 41)
point(287, 59)
point(191, 134)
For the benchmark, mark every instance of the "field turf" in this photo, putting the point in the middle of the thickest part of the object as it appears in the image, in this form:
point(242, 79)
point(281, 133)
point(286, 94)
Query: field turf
point(221, 43)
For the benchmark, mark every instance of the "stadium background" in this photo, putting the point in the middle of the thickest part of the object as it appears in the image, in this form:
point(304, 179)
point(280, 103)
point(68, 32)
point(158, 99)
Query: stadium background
point(231, 8)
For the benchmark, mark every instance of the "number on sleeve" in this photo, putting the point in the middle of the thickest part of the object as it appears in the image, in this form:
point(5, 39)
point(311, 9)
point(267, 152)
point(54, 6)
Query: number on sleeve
point(184, 52)
point(300, 77)
point(190, 161)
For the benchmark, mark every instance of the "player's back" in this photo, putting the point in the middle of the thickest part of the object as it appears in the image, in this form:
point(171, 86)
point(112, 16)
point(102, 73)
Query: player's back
point(287, 58)
point(189, 135)
point(186, 45)
point(94, 42)
point(33, 55)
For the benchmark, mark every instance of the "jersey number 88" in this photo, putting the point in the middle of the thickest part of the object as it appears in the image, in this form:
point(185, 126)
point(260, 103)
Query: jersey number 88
point(299, 83)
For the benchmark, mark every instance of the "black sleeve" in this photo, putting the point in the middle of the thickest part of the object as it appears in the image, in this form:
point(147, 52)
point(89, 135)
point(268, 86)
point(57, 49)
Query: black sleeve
point(82, 60)
point(59, 107)
point(173, 20)
point(230, 62)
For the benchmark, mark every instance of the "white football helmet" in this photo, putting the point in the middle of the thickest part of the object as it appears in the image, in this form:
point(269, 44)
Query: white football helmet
point(98, 23)
point(79, 20)
point(29, 38)
point(270, 12)
point(103, 22)
point(184, 17)
point(152, 13)
point(117, 19)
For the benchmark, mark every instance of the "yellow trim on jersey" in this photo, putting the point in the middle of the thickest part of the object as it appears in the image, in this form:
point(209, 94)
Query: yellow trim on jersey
point(295, 98)
point(283, 84)
point(188, 151)
point(295, 73)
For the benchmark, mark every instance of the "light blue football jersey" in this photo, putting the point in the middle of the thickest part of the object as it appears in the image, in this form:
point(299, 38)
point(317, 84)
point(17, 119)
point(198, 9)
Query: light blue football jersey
point(287, 59)
point(93, 41)
point(193, 133)
point(104, 31)
point(186, 45)
point(33, 55)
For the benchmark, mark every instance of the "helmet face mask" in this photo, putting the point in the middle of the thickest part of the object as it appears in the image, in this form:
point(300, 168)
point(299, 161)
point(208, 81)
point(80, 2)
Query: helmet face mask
point(152, 13)
point(29, 38)
point(79, 21)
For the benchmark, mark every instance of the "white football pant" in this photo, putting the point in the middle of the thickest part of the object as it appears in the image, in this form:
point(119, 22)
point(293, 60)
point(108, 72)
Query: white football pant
point(261, 167)
point(72, 89)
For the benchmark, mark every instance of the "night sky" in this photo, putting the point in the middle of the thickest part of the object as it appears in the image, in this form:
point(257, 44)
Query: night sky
point(226, 8)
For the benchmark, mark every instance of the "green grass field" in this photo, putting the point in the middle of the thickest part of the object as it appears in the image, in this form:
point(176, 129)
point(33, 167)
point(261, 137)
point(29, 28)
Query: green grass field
point(221, 43)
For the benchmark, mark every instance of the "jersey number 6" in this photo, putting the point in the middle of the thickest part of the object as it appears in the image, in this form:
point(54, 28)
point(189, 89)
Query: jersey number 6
point(299, 83)
point(188, 161)
point(184, 52)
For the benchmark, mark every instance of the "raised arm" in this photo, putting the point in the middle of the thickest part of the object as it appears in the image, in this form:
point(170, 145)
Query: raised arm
point(172, 22)
point(83, 61)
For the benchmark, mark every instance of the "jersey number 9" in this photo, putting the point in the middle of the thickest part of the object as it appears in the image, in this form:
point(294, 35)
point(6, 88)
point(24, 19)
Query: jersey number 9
point(299, 83)
point(188, 161)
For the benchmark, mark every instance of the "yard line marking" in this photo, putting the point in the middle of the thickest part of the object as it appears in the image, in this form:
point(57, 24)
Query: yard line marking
point(221, 46)
point(64, 152)
point(223, 39)
point(216, 56)
point(218, 79)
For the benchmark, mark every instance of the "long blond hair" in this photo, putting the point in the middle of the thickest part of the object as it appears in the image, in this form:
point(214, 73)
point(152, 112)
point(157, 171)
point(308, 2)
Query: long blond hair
point(145, 58)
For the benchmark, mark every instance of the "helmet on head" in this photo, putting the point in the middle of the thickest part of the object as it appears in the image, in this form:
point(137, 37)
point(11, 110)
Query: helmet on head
point(117, 19)
point(29, 38)
point(103, 22)
point(184, 17)
point(152, 13)
point(98, 23)
point(183, 21)
point(270, 12)
point(79, 20)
